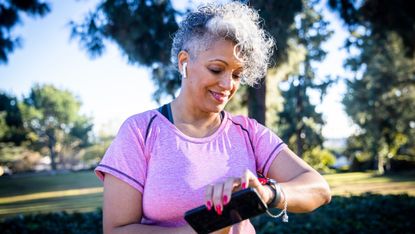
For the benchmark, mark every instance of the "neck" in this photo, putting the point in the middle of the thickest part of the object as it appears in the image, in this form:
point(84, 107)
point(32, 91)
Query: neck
point(185, 112)
point(193, 121)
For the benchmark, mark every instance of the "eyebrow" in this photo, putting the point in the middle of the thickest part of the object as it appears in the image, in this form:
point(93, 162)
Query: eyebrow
point(223, 61)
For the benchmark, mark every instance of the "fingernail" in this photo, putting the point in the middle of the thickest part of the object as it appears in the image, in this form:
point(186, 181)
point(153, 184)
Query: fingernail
point(244, 185)
point(225, 199)
point(219, 209)
point(208, 205)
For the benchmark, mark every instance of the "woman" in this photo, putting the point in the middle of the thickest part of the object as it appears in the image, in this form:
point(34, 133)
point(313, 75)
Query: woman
point(190, 152)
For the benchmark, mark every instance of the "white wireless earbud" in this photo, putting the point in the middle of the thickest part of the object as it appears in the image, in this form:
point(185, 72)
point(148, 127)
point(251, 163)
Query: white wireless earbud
point(184, 70)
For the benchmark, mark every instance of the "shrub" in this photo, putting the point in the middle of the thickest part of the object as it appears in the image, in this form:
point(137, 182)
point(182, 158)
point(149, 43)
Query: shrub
point(368, 213)
point(59, 222)
point(18, 158)
point(319, 159)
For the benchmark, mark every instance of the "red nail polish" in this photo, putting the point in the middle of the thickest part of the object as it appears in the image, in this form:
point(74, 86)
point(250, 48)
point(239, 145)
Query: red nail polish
point(219, 209)
point(208, 205)
point(244, 185)
point(225, 199)
point(262, 181)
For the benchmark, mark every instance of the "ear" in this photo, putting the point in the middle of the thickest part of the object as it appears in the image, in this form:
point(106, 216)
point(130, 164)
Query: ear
point(182, 57)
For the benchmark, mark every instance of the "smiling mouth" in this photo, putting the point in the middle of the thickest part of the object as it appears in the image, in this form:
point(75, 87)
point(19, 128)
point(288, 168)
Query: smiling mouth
point(219, 97)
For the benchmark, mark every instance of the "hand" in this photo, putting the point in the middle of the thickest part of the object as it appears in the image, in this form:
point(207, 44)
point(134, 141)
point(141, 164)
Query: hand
point(219, 195)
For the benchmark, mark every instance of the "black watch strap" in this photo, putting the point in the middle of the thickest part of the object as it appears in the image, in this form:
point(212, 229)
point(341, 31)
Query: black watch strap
point(275, 187)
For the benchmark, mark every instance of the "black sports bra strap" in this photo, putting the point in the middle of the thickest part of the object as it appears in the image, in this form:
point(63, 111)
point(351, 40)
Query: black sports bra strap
point(165, 110)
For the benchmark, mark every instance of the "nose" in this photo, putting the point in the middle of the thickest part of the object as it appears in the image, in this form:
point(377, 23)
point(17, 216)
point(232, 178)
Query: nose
point(226, 81)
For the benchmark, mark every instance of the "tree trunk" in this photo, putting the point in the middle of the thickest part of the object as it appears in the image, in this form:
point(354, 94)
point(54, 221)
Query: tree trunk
point(378, 160)
point(52, 154)
point(388, 165)
point(256, 102)
point(381, 164)
point(299, 143)
point(51, 145)
point(299, 124)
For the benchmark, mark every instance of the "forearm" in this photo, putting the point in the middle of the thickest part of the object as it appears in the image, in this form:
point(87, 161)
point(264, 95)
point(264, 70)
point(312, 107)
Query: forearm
point(304, 193)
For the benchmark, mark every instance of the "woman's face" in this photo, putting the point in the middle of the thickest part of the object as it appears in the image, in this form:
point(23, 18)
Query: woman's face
point(213, 76)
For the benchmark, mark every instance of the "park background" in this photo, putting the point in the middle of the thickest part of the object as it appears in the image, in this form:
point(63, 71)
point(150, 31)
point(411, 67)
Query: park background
point(340, 92)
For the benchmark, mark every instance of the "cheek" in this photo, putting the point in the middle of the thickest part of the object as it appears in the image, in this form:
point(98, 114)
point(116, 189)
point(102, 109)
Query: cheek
point(235, 88)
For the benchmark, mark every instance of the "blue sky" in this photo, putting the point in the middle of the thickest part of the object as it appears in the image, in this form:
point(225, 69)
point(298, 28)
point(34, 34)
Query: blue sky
point(109, 88)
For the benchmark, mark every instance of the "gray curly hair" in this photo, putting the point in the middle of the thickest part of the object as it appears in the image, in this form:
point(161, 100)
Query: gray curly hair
point(233, 21)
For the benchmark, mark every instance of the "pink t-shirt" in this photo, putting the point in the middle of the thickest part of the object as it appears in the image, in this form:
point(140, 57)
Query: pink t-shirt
point(171, 169)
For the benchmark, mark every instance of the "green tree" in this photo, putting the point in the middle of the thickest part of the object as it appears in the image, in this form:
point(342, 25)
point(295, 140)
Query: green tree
point(381, 99)
point(14, 153)
point(300, 124)
point(320, 159)
point(278, 17)
point(382, 17)
point(11, 123)
point(54, 121)
point(74, 144)
point(10, 15)
point(96, 150)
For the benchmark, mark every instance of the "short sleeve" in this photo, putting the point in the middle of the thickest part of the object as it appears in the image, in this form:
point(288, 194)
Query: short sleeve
point(267, 145)
point(125, 157)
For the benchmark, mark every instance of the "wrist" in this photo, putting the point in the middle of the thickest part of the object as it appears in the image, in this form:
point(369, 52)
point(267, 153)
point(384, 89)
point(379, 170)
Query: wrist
point(269, 194)
point(278, 199)
point(281, 202)
point(276, 193)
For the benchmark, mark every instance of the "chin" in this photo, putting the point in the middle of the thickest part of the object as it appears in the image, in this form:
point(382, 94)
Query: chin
point(221, 108)
point(216, 108)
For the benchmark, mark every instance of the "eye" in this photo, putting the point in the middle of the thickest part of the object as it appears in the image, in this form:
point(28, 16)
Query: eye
point(236, 76)
point(215, 70)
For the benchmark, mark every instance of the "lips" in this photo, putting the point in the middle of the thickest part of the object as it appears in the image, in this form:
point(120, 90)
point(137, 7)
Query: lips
point(219, 97)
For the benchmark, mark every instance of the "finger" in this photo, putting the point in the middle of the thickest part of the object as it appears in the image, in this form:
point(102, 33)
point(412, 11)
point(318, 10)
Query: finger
point(227, 190)
point(248, 179)
point(253, 182)
point(208, 196)
point(236, 184)
point(217, 197)
point(245, 179)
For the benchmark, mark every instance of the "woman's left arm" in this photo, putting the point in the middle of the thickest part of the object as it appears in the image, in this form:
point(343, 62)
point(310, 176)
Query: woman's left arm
point(304, 188)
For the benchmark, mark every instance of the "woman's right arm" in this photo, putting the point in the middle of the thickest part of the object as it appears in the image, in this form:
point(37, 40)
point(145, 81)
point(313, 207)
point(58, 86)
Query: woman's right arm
point(122, 210)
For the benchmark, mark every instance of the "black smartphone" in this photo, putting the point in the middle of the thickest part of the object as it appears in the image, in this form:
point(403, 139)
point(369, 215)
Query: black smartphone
point(244, 204)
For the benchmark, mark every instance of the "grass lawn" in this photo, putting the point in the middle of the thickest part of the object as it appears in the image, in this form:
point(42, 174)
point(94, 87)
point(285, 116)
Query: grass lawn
point(82, 191)
point(356, 183)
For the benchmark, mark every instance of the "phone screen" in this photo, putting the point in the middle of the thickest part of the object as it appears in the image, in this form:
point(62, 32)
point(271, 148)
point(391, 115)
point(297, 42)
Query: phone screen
point(244, 204)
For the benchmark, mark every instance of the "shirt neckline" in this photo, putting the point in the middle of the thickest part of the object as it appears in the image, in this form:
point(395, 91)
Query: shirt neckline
point(194, 139)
